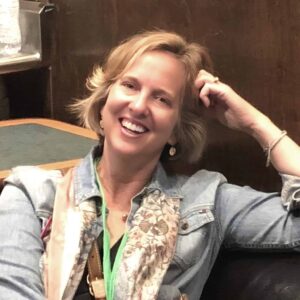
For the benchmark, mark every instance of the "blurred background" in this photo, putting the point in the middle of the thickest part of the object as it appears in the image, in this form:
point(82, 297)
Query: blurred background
point(255, 47)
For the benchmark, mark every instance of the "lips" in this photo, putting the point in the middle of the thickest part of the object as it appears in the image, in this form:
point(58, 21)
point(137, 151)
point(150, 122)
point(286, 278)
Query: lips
point(133, 126)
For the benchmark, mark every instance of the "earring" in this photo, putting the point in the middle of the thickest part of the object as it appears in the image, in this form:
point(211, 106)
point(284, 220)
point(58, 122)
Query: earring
point(172, 151)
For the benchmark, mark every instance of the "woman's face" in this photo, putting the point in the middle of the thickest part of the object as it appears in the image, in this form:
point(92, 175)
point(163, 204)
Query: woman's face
point(143, 106)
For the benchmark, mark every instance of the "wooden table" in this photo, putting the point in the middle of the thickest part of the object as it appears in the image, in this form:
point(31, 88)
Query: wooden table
point(46, 143)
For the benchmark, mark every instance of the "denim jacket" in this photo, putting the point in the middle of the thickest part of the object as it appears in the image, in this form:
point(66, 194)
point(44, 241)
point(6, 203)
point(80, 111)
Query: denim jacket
point(212, 213)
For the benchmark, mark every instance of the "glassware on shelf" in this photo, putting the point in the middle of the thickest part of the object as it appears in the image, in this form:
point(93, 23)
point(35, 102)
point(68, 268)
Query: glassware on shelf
point(10, 35)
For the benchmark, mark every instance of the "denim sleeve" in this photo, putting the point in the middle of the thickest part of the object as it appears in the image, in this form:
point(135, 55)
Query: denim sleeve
point(290, 193)
point(255, 220)
point(20, 247)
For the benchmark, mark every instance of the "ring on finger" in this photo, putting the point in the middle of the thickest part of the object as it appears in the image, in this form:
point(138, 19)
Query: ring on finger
point(216, 79)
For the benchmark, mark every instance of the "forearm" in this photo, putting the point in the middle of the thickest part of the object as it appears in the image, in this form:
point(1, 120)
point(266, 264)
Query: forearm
point(233, 111)
point(257, 220)
point(21, 247)
point(285, 155)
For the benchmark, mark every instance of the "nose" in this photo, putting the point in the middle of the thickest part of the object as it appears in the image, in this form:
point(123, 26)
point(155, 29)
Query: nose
point(139, 105)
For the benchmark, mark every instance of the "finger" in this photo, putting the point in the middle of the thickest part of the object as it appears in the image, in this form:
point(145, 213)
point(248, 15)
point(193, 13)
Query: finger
point(205, 77)
point(204, 72)
point(201, 81)
point(205, 100)
point(204, 95)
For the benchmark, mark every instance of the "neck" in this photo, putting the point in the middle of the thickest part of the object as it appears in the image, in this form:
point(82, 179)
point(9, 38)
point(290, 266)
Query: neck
point(123, 177)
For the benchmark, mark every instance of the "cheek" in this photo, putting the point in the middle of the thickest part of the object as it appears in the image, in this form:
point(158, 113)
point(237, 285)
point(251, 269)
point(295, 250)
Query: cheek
point(112, 103)
point(169, 123)
point(115, 100)
point(107, 112)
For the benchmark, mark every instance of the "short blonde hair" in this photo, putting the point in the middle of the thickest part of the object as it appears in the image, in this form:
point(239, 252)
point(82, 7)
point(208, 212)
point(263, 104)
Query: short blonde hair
point(190, 131)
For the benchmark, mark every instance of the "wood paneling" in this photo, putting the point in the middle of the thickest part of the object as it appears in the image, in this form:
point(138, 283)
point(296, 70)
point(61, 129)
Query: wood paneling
point(254, 44)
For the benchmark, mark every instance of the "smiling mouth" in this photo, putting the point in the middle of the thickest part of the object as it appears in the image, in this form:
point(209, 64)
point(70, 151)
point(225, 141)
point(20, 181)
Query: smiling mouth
point(133, 127)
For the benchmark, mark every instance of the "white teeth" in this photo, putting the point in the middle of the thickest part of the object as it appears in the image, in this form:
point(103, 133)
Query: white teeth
point(133, 127)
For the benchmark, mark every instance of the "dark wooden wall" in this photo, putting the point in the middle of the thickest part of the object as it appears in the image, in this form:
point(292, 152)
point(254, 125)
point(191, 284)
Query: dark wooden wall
point(254, 44)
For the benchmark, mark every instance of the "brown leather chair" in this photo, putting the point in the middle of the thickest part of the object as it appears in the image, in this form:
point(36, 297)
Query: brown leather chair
point(241, 275)
point(244, 275)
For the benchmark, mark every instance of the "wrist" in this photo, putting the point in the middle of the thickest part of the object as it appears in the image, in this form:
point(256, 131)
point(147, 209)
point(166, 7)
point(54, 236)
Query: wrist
point(272, 145)
point(264, 131)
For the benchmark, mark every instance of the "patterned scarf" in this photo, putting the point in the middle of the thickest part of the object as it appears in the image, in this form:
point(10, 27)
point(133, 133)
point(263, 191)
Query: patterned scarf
point(146, 256)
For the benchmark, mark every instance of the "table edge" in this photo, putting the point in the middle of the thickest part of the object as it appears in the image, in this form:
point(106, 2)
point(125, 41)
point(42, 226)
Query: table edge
point(85, 132)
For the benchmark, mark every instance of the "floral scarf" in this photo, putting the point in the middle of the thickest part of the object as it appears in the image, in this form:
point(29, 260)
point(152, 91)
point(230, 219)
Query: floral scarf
point(146, 256)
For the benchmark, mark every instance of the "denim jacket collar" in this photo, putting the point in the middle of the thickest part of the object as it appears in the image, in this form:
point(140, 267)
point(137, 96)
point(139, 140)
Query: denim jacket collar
point(164, 183)
point(85, 183)
point(86, 187)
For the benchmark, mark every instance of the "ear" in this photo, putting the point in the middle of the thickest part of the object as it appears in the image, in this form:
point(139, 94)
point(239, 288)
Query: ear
point(101, 124)
point(172, 140)
point(101, 111)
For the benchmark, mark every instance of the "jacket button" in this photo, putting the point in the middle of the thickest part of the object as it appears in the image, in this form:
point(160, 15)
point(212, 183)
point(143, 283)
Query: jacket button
point(185, 226)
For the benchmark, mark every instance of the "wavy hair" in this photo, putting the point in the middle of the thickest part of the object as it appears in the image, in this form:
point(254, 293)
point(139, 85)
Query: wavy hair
point(190, 130)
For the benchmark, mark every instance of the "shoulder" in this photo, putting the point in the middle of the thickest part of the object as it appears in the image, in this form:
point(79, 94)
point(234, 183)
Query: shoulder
point(30, 175)
point(201, 179)
point(38, 185)
point(201, 188)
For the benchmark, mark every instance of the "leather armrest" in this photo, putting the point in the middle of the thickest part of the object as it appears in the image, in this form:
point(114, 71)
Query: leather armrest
point(241, 275)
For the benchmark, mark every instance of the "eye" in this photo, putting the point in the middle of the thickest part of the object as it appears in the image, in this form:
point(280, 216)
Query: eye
point(163, 100)
point(128, 84)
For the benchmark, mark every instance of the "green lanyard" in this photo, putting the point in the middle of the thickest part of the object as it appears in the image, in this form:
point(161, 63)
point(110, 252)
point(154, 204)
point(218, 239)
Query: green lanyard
point(109, 273)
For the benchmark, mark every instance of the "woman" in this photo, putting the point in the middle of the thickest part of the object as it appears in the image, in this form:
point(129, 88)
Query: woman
point(158, 235)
